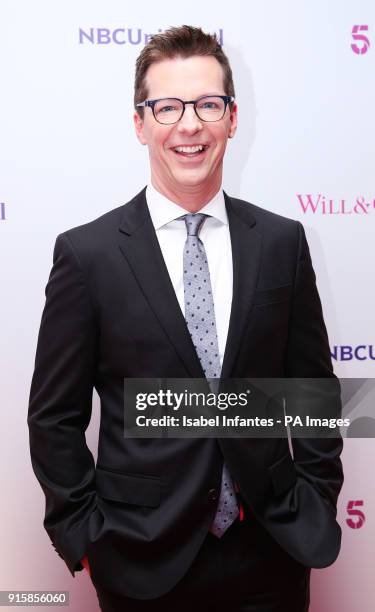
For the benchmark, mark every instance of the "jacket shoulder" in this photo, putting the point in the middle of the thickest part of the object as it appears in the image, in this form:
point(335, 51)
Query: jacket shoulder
point(99, 232)
point(262, 216)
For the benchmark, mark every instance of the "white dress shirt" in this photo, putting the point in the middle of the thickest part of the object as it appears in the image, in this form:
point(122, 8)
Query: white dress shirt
point(215, 235)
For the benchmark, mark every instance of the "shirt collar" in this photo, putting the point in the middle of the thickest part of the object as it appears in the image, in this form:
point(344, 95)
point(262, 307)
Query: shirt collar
point(163, 210)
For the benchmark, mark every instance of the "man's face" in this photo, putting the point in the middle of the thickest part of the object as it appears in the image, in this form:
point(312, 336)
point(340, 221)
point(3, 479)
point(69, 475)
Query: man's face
point(172, 172)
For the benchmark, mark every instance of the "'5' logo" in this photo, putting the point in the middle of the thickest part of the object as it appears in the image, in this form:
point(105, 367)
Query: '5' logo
point(359, 516)
point(363, 40)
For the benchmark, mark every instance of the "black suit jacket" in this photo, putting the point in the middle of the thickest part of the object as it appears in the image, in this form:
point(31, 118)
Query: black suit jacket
point(141, 513)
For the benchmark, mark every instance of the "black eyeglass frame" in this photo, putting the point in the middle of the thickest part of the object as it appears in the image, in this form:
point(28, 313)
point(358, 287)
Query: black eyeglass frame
point(151, 103)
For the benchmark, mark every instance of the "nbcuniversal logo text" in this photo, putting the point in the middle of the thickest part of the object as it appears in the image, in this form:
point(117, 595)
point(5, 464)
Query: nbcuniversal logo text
point(121, 36)
point(320, 204)
point(346, 352)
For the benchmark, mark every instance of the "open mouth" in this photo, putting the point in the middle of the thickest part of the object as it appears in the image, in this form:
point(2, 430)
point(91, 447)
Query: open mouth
point(194, 151)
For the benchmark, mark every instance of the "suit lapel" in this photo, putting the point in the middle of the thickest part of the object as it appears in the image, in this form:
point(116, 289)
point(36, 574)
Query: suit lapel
point(246, 249)
point(140, 247)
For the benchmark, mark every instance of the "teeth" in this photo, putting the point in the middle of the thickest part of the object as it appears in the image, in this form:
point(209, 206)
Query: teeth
point(189, 149)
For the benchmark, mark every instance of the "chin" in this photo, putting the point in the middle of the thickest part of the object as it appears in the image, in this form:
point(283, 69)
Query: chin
point(190, 178)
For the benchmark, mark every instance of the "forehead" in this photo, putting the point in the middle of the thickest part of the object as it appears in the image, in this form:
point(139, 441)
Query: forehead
point(185, 78)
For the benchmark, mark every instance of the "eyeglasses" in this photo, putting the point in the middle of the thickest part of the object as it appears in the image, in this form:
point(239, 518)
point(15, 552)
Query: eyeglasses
point(170, 110)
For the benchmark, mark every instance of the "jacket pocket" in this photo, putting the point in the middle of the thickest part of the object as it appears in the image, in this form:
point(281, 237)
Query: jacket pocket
point(134, 489)
point(270, 296)
point(282, 474)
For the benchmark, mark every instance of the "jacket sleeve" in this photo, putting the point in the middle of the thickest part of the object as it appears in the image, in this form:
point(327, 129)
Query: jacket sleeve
point(60, 406)
point(316, 459)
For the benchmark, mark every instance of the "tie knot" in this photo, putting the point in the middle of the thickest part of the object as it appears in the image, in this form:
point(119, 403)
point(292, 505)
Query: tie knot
point(194, 223)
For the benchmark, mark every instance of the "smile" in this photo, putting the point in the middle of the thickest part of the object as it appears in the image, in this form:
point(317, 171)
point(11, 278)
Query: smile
point(190, 151)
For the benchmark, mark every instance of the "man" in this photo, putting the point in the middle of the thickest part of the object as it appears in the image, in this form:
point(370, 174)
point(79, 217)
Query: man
point(157, 521)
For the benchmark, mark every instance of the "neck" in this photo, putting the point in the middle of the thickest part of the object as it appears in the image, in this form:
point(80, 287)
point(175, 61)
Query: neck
point(191, 198)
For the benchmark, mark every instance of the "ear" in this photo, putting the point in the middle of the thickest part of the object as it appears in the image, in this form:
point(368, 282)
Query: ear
point(233, 121)
point(139, 128)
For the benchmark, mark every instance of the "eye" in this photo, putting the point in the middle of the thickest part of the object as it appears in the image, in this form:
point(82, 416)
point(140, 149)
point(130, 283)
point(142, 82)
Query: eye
point(209, 105)
point(166, 109)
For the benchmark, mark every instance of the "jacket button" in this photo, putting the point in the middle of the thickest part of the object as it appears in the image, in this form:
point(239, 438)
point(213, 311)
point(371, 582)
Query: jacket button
point(213, 495)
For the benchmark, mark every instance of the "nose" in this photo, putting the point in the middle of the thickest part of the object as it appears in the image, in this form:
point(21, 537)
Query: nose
point(189, 122)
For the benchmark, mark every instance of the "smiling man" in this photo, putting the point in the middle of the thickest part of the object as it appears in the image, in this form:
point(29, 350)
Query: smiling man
point(183, 281)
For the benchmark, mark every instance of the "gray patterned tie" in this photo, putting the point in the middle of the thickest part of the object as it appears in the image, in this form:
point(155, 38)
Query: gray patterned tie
point(200, 319)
